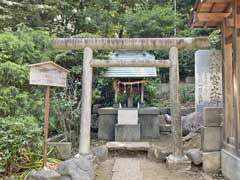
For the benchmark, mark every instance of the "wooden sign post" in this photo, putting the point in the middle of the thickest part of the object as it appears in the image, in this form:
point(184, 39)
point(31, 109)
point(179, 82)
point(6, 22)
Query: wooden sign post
point(47, 74)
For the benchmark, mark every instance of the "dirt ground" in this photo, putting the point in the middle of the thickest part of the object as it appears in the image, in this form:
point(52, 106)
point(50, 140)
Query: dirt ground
point(154, 171)
point(158, 171)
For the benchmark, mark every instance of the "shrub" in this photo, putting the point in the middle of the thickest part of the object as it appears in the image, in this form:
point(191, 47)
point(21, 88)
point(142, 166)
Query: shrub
point(20, 142)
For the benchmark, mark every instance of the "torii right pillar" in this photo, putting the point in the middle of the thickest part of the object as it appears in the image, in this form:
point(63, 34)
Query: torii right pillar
point(177, 160)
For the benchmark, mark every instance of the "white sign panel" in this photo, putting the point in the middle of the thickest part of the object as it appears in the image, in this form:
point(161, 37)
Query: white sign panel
point(128, 116)
point(48, 74)
point(208, 79)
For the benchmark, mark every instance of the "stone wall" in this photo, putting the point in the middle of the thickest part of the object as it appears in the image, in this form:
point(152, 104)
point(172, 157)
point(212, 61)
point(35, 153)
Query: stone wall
point(212, 139)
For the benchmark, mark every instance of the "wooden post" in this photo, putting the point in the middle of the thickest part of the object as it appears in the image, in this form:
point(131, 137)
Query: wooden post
point(236, 75)
point(47, 95)
point(142, 93)
point(175, 103)
point(227, 84)
point(84, 145)
point(115, 87)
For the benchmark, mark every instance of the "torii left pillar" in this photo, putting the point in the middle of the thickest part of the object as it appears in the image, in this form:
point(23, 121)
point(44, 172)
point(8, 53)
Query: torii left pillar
point(84, 145)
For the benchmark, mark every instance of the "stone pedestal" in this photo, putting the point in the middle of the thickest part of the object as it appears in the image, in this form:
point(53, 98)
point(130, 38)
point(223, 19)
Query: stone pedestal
point(106, 123)
point(178, 163)
point(129, 133)
point(211, 162)
point(148, 118)
point(212, 139)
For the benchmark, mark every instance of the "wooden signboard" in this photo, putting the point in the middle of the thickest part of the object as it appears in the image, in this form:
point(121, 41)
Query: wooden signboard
point(47, 74)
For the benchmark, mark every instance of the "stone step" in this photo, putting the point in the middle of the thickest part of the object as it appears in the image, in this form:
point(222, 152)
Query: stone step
point(165, 128)
point(129, 146)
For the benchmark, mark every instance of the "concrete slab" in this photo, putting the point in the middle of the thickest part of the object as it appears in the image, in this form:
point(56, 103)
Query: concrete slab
point(211, 162)
point(129, 133)
point(130, 146)
point(230, 165)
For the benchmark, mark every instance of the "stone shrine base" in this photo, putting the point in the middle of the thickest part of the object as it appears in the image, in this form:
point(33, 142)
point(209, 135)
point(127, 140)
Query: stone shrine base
point(148, 118)
point(128, 133)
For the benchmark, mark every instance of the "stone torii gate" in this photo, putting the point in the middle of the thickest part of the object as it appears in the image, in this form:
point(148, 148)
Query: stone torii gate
point(175, 161)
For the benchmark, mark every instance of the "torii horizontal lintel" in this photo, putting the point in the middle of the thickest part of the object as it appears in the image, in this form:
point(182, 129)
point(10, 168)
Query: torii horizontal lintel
point(130, 63)
point(130, 43)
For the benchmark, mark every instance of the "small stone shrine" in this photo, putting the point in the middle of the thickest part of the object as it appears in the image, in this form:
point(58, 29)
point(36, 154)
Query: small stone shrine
point(128, 119)
point(208, 79)
point(130, 81)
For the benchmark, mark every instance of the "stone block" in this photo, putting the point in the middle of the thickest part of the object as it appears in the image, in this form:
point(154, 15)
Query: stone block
point(108, 110)
point(212, 116)
point(165, 128)
point(62, 150)
point(106, 123)
point(158, 154)
point(211, 139)
point(101, 152)
point(127, 132)
point(128, 146)
point(230, 165)
point(195, 155)
point(44, 175)
point(205, 86)
point(178, 163)
point(211, 162)
point(149, 125)
point(127, 116)
point(149, 110)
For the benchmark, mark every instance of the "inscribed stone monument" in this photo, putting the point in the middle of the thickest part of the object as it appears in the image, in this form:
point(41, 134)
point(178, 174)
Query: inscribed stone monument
point(208, 79)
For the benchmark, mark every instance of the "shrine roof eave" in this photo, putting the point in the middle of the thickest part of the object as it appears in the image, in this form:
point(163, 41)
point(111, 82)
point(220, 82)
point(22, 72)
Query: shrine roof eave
point(209, 13)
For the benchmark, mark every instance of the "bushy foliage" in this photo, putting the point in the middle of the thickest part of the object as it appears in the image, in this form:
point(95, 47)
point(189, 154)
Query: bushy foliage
point(20, 139)
point(25, 46)
point(17, 97)
point(215, 39)
point(156, 22)
point(12, 74)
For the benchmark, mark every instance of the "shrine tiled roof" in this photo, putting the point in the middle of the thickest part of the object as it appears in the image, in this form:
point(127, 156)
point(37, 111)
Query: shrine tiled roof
point(131, 72)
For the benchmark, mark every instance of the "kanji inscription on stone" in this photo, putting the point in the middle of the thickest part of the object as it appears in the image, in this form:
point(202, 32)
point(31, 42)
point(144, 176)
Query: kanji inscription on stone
point(208, 79)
